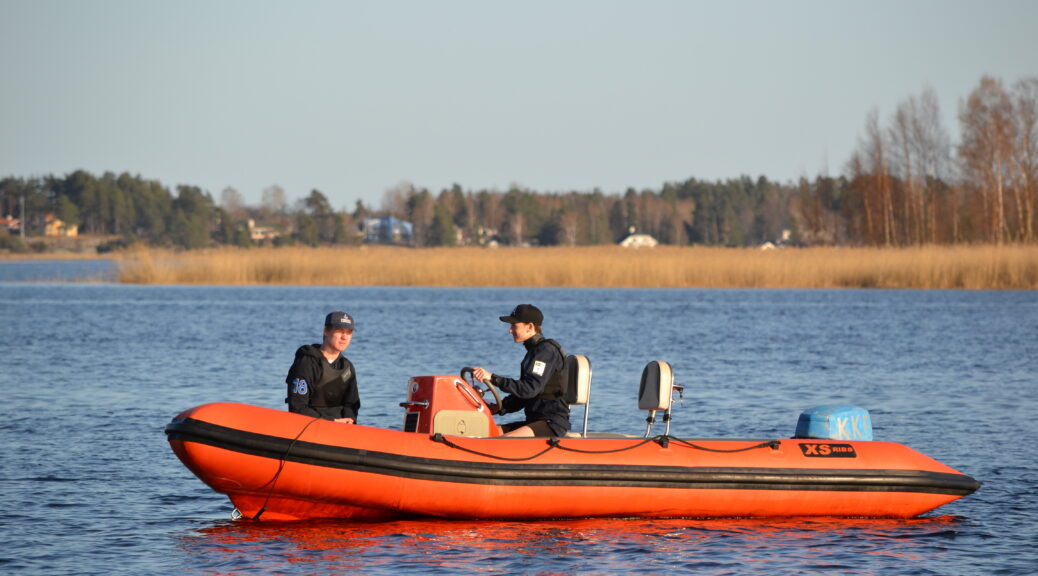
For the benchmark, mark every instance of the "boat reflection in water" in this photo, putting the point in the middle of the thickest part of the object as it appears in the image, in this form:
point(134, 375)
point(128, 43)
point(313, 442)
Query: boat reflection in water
point(609, 545)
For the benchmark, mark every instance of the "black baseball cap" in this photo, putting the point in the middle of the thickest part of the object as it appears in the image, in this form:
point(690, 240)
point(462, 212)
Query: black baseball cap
point(527, 313)
point(339, 321)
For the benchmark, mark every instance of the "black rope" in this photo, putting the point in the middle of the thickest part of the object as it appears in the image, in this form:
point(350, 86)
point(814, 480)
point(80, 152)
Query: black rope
point(624, 449)
point(555, 443)
point(773, 444)
point(281, 466)
point(438, 437)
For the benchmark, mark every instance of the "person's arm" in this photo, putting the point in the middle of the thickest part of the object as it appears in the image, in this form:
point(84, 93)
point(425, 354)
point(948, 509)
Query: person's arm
point(302, 377)
point(530, 384)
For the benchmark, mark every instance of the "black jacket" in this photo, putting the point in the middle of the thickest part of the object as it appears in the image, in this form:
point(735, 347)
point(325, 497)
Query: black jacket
point(543, 361)
point(320, 388)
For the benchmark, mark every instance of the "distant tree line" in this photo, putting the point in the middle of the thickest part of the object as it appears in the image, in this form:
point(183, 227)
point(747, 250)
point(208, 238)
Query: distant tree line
point(905, 184)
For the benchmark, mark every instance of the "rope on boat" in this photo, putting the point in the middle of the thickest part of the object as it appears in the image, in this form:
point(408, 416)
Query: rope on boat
point(281, 466)
point(554, 442)
point(664, 441)
point(624, 449)
point(438, 437)
point(773, 444)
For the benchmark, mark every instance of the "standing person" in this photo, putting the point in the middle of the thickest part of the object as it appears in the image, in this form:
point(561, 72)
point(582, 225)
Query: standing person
point(541, 385)
point(322, 382)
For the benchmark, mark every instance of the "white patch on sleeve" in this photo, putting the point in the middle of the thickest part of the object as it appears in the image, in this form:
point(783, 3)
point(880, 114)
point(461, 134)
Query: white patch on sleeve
point(538, 368)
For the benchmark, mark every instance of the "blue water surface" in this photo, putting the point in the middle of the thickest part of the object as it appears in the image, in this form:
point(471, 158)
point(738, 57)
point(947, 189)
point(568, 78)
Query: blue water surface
point(30, 270)
point(91, 373)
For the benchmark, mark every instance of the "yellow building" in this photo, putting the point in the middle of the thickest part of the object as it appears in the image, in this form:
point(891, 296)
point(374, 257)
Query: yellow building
point(52, 226)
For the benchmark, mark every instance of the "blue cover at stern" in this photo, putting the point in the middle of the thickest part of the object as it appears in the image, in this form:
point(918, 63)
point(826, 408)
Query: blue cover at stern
point(835, 422)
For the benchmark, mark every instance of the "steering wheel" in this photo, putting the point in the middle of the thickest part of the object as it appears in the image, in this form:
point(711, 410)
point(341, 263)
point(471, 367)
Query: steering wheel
point(466, 373)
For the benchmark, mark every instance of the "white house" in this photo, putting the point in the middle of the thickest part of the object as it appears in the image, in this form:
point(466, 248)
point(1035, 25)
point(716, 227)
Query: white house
point(639, 241)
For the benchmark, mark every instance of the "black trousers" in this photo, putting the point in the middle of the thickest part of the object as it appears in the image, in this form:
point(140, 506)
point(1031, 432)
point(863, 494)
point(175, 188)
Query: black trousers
point(539, 427)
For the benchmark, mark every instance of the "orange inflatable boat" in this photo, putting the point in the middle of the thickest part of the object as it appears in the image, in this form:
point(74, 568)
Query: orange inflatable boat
point(450, 461)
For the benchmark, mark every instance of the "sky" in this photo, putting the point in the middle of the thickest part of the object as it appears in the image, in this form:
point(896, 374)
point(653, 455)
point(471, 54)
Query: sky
point(355, 98)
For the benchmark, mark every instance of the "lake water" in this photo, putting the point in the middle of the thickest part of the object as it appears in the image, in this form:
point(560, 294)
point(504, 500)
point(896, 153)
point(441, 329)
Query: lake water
point(29, 270)
point(91, 373)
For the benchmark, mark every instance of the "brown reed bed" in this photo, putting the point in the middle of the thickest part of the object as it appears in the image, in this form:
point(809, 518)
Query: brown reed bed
point(934, 267)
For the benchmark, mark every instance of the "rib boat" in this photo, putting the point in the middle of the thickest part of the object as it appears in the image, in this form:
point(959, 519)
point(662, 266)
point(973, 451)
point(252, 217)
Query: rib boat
point(451, 461)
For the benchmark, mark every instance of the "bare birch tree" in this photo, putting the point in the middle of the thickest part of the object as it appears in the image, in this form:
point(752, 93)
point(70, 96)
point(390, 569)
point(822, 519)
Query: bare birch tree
point(920, 151)
point(273, 200)
point(880, 188)
point(934, 156)
point(986, 152)
point(233, 203)
point(1026, 157)
point(903, 163)
point(395, 200)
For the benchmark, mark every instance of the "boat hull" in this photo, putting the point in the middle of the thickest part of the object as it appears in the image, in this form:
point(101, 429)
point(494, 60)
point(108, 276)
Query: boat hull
point(280, 466)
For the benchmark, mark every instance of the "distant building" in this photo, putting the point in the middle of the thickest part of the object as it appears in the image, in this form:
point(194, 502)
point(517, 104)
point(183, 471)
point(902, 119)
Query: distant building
point(10, 225)
point(782, 242)
point(52, 226)
point(388, 231)
point(261, 234)
point(639, 241)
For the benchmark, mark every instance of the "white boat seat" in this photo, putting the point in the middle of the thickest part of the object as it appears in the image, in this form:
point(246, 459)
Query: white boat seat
point(578, 389)
point(656, 392)
point(657, 386)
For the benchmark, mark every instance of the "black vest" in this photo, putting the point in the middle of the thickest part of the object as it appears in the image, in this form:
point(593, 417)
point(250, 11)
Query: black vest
point(331, 390)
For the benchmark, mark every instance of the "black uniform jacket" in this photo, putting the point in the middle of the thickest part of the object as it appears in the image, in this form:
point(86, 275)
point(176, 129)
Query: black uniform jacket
point(542, 361)
point(320, 388)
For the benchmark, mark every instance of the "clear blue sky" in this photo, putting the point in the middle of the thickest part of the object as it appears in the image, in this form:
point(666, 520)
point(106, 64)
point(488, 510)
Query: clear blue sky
point(353, 98)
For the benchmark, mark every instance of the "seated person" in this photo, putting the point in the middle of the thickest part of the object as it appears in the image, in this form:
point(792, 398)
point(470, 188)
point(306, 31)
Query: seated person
point(322, 382)
point(539, 389)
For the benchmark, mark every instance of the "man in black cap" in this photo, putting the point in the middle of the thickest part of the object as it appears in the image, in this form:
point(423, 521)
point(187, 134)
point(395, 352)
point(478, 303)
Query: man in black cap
point(541, 385)
point(322, 382)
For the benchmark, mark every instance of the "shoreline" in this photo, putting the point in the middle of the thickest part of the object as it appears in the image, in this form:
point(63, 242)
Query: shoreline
point(970, 267)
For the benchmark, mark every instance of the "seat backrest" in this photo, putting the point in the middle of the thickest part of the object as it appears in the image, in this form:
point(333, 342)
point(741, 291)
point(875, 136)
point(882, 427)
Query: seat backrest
point(578, 375)
point(657, 386)
point(578, 387)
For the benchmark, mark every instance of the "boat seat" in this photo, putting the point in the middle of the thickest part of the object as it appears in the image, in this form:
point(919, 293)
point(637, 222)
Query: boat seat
point(578, 388)
point(655, 393)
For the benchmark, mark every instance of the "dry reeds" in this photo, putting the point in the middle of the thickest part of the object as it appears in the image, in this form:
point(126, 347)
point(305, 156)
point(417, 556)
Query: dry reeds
point(957, 267)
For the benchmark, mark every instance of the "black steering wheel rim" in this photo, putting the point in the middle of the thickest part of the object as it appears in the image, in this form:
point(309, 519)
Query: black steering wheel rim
point(466, 372)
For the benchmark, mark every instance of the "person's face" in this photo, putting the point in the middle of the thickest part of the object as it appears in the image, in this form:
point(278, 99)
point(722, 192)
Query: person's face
point(338, 339)
point(521, 331)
